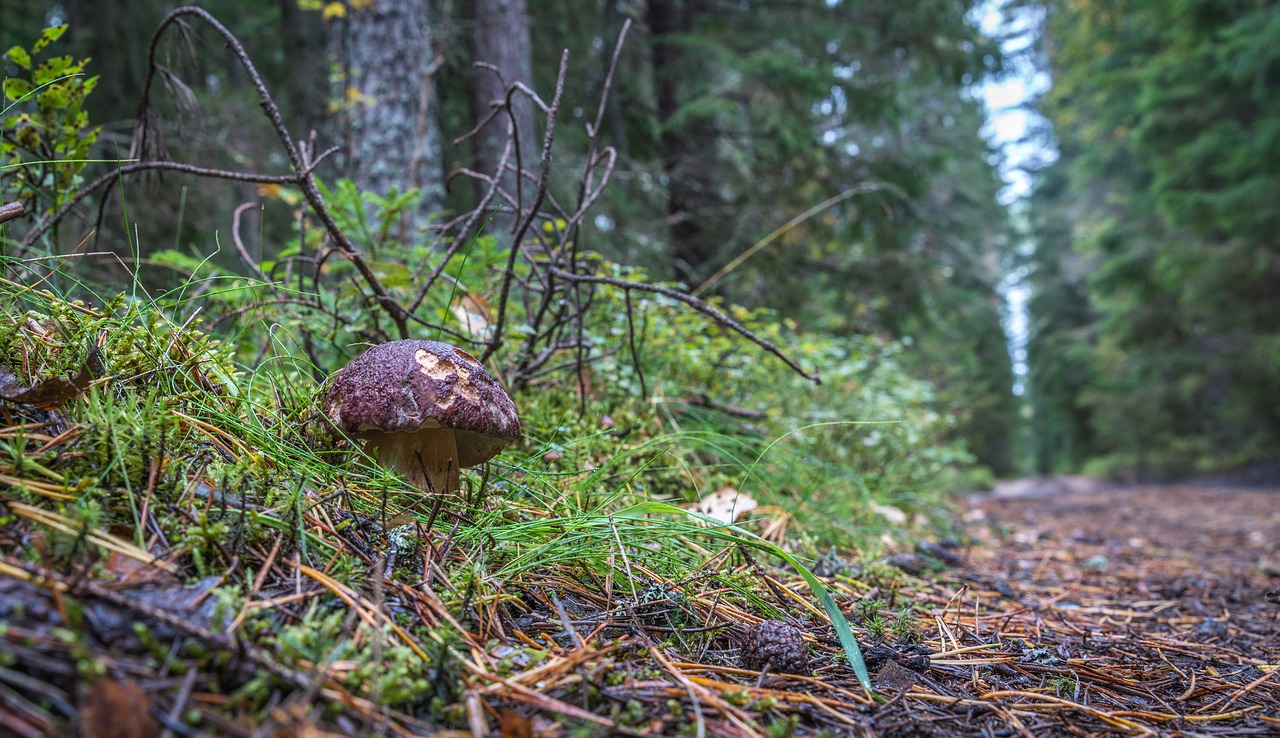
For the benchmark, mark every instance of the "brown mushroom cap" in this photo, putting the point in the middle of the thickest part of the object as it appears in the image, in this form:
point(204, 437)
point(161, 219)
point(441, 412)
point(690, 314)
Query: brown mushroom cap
point(406, 386)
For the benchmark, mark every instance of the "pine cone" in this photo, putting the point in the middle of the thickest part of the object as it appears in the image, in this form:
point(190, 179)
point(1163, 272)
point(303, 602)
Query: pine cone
point(775, 645)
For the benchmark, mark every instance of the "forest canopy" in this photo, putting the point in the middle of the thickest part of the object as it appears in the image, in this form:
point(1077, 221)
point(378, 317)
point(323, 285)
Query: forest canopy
point(1155, 341)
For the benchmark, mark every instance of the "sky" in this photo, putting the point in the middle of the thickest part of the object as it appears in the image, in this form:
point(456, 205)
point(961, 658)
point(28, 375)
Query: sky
point(1008, 121)
point(1008, 124)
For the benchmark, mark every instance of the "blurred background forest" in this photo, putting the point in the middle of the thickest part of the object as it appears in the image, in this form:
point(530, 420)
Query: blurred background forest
point(822, 159)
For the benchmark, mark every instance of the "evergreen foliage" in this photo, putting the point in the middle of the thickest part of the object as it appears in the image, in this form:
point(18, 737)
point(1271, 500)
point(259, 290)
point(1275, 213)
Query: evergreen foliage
point(1156, 340)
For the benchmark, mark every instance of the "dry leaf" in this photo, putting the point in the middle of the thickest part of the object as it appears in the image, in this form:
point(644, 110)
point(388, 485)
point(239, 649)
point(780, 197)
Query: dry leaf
point(117, 710)
point(889, 512)
point(52, 392)
point(471, 311)
point(48, 394)
point(125, 568)
point(726, 505)
point(514, 725)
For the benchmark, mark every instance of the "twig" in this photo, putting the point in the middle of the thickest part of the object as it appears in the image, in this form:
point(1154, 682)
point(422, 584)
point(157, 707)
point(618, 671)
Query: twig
point(304, 177)
point(525, 222)
point(180, 702)
point(240, 247)
point(701, 306)
point(143, 166)
point(11, 210)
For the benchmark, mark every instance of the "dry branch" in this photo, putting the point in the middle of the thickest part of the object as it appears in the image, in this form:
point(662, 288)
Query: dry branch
point(11, 210)
point(701, 306)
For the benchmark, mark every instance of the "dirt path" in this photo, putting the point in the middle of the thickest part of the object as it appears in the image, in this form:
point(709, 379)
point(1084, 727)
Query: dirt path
point(1222, 531)
point(1122, 611)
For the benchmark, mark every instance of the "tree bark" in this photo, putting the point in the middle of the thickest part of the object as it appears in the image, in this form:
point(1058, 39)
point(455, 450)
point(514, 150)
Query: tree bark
point(501, 38)
point(302, 40)
point(685, 167)
point(390, 124)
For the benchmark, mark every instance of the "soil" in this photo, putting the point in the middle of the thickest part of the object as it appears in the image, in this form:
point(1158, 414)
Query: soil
point(1134, 610)
point(1214, 533)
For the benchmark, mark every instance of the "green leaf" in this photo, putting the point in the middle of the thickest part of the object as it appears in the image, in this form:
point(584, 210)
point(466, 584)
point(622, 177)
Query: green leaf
point(15, 89)
point(178, 260)
point(52, 69)
point(49, 36)
point(29, 137)
point(19, 56)
point(393, 275)
point(54, 97)
point(81, 150)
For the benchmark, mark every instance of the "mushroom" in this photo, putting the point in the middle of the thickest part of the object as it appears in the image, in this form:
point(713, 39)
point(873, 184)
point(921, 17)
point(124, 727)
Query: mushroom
point(424, 408)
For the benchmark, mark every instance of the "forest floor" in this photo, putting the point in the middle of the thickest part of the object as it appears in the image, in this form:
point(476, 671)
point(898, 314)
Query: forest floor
point(1151, 609)
point(1060, 609)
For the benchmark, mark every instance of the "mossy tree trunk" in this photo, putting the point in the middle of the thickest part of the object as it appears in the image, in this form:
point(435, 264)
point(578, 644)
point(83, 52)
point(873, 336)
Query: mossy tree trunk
point(389, 112)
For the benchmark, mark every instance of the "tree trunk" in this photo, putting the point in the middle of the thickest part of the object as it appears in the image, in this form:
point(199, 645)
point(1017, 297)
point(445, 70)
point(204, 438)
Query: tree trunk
point(501, 38)
point(390, 124)
point(685, 168)
point(615, 121)
point(302, 39)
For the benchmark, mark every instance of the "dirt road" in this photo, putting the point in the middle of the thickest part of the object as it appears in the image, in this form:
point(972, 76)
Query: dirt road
point(1124, 611)
point(1171, 531)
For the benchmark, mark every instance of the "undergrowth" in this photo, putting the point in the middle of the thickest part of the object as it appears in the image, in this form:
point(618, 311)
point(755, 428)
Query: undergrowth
point(167, 447)
point(161, 436)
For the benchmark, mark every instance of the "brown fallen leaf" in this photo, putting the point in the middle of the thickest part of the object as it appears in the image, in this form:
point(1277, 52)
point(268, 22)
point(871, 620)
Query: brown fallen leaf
point(726, 505)
point(47, 395)
point(514, 725)
point(471, 311)
point(52, 392)
point(126, 568)
point(895, 677)
point(117, 710)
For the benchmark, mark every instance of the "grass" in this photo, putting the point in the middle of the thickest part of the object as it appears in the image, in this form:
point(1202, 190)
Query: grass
point(354, 589)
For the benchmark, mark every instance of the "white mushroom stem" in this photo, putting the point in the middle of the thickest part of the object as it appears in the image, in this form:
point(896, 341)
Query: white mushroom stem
point(428, 457)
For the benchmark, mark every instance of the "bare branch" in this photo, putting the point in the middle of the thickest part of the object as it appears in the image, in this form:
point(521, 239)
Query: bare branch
point(240, 247)
point(11, 210)
point(545, 173)
point(304, 178)
point(543, 269)
point(701, 306)
point(142, 166)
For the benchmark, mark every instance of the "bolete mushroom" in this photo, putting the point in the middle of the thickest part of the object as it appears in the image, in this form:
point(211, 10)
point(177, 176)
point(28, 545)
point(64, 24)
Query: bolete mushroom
point(424, 408)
